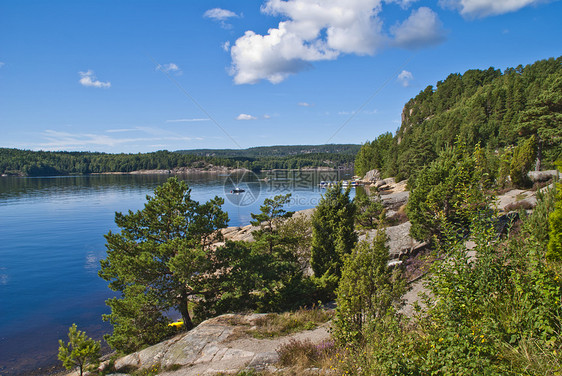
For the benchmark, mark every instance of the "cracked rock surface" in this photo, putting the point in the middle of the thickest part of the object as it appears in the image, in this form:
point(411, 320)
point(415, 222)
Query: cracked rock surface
point(216, 346)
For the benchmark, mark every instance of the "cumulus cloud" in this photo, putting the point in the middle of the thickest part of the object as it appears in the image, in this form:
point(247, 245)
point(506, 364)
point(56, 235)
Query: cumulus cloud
point(245, 117)
point(405, 77)
point(319, 30)
point(485, 8)
point(304, 104)
point(316, 30)
point(226, 46)
point(421, 29)
point(88, 79)
point(169, 68)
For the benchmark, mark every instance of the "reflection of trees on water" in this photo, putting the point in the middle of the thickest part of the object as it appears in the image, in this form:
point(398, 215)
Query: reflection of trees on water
point(12, 187)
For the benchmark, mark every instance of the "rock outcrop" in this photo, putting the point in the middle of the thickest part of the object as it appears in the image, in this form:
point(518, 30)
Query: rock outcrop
point(216, 346)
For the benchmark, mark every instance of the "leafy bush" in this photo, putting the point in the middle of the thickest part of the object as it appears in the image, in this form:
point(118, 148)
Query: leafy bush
point(496, 313)
point(555, 221)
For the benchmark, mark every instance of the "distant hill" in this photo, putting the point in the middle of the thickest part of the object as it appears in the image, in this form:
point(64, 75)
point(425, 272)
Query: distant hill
point(276, 151)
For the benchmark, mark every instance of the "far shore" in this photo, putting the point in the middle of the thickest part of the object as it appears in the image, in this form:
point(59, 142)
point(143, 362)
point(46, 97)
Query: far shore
point(188, 171)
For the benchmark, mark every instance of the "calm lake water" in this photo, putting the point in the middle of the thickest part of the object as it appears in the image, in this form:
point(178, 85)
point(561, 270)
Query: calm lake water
point(51, 242)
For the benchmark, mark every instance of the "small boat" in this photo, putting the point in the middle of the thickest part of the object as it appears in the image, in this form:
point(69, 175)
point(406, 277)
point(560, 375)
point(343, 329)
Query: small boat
point(237, 190)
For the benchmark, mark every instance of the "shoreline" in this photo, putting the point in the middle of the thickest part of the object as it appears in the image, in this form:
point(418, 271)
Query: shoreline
point(185, 171)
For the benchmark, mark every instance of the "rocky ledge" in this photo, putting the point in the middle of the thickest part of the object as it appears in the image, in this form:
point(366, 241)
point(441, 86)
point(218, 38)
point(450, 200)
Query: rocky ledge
point(217, 346)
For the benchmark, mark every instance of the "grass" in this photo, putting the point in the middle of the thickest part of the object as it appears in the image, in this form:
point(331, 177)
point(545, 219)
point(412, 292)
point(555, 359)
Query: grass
point(520, 196)
point(301, 358)
point(276, 325)
point(515, 206)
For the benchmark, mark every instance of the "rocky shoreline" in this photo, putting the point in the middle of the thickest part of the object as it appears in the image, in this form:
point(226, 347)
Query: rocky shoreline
point(209, 348)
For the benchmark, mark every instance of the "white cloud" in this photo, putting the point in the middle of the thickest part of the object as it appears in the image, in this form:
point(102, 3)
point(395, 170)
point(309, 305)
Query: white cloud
point(403, 3)
point(304, 104)
point(245, 117)
point(219, 14)
point(169, 68)
point(185, 120)
point(121, 130)
point(316, 30)
point(405, 77)
point(485, 8)
point(371, 112)
point(266, 116)
point(421, 29)
point(226, 46)
point(88, 79)
point(320, 30)
point(57, 140)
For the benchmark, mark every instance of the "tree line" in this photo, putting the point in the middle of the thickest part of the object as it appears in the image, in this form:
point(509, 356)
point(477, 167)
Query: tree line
point(277, 151)
point(44, 163)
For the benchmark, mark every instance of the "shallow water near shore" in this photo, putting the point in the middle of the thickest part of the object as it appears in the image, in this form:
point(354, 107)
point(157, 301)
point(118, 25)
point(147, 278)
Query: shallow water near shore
point(51, 232)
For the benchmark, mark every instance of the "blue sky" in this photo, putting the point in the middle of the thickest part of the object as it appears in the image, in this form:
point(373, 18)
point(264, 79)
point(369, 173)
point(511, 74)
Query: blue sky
point(139, 76)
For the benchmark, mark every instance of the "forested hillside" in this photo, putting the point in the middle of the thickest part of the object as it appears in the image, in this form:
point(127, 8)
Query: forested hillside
point(499, 110)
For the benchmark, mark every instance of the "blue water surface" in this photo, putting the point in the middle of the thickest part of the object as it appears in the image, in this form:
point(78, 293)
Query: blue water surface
point(51, 243)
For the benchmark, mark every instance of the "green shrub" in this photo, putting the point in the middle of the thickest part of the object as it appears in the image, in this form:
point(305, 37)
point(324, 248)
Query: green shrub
point(524, 155)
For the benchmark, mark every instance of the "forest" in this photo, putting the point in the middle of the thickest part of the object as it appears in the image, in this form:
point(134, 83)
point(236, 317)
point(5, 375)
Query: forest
point(497, 110)
point(46, 163)
point(277, 151)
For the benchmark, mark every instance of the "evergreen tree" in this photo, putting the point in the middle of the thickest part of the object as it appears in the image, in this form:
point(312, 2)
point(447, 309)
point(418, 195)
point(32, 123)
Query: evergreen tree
point(270, 218)
point(543, 119)
point(523, 157)
point(368, 290)
point(447, 191)
point(158, 259)
point(81, 351)
point(333, 232)
point(369, 210)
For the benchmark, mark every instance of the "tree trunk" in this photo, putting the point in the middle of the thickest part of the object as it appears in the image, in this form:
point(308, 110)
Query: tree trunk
point(539, 155)
point(187, 323)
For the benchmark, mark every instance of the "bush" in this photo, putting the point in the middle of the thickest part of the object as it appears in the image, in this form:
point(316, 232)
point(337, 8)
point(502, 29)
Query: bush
point(449, 190)
point(524, 156)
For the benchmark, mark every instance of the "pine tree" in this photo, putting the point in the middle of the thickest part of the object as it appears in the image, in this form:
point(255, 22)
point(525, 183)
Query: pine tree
point(368, 289)
point(81, 351)
point(333, 232)
point(162, 253)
